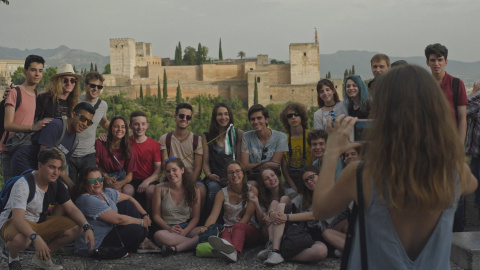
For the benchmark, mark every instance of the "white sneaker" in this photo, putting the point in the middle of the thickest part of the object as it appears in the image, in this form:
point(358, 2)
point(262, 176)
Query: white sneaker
point(274, 258)
point(229, 257)
point(48, 265)
point(221, 244)
point(263, 255)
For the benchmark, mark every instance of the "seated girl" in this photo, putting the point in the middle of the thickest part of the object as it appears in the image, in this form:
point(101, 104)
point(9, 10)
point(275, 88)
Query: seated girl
point(241, 229)
point(114, 157)
point(320, 231)
point(176, 209)
point(116, 218)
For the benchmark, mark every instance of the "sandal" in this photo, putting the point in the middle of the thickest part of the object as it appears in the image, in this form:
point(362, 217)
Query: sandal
point(167, 250)
point(148, 246)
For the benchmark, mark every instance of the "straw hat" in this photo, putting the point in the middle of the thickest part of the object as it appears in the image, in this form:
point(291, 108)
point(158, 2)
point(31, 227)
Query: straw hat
point(66, 70)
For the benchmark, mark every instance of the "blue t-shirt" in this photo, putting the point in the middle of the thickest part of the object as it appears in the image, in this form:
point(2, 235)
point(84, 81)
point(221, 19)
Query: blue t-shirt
point(252, 145)
point(92, 207)
point(26, 157)
point(338, 169)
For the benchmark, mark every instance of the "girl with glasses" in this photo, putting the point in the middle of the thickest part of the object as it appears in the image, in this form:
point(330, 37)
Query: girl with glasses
point(241, 229)
point(328, 102)
point(116, 218)
point(114, 156)
point(176, 210)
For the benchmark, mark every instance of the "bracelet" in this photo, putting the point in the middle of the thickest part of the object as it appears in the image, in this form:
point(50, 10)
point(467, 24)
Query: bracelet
point(145, 215)
point(33, 127)
point(87, 227)
point(288, 217)
point(141, 223)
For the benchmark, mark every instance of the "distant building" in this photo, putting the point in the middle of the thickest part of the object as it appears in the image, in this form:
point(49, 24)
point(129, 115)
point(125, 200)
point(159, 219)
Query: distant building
point(7, 68)
point(132, 64)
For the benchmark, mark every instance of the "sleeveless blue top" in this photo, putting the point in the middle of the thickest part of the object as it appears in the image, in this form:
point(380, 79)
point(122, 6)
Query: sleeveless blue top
point(384, 248)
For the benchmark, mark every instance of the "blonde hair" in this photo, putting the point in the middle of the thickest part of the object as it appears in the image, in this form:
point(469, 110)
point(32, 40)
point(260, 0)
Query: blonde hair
point(55, 89)
point(415, 153)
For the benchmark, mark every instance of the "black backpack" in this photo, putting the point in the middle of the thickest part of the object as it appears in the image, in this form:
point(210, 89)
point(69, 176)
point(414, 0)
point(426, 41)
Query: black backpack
point(2, 111)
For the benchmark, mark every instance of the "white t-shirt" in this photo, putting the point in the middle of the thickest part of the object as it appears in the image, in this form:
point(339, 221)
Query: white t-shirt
point(18, 200)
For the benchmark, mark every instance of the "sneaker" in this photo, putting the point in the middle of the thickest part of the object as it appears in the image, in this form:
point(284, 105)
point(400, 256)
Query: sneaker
point(221, 244)
point(48, 265)
point(263, 255)
point(274, 258)
point(338, 253)
point(229, 257)
point(15, 265)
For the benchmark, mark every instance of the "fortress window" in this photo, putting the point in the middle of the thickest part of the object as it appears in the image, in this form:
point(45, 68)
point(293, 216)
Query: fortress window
point(251, 68)
point(116, 46)
point(271, 97)
point(304, 54)
point(258, 79)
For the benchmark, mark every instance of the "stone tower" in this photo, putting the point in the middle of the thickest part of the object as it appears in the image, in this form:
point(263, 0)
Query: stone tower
point(304, 63)
point(122, 57)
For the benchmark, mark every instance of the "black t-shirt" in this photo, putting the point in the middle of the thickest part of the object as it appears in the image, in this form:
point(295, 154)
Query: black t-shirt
point(46, 107)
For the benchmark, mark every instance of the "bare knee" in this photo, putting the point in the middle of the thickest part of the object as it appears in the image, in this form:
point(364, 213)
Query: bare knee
point(128, 189)
point(320, 251)
point(161, 237)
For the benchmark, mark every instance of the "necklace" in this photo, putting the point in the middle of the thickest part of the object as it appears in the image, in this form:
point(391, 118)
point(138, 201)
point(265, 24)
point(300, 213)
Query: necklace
point(329, 106)
point(182, 139)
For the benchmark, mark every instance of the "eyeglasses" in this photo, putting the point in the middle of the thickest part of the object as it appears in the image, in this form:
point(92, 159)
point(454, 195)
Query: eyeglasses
point(290, 115)
point(93, 180)
point(84, 119)
point(309, 178)
point(332, 114)
point(170, 159)
point(237, 172)
point(264, 153)
point(93, 86)
point(183, 116)
point(71, 80)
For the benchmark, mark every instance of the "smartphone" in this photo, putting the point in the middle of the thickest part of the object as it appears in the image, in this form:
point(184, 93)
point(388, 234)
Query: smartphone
point(358, 132)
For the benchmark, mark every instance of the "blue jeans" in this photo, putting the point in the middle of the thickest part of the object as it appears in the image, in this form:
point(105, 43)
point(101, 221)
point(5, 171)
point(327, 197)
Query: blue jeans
point(76, 164)
point(212, 189)
point(6, 166)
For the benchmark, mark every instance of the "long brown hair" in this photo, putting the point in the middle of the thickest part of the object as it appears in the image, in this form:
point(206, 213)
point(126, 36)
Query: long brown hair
point(265, 196)
point(55, 89)
point(326, 82)
point(214, 129)
point(245, 194)
point(190, 195)
point(307, 193)
point(414, 152)
point(124, 144)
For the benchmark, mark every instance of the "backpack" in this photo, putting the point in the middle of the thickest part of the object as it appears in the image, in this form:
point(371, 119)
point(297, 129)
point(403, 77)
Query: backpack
point(169, 142)
point(48, 200)
point(7, 188)
point(2, 111)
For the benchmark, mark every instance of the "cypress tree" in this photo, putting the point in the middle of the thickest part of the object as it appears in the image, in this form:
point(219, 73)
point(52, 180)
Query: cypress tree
point(165, 89)
point(141, 92)
point(353, 69)
point(178, 98)
point(91, 66)
point(159, 92)
point(220, 53)
point(345, 74)
point(255, 92)
point(96, 67)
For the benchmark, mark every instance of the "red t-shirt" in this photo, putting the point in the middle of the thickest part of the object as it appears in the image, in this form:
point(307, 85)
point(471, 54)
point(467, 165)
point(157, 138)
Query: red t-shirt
point(107, 163)
point(147, 154)
point(446, 86)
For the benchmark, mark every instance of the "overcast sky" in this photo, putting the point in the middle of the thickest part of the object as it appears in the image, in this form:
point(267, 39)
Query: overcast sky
point(395, 27)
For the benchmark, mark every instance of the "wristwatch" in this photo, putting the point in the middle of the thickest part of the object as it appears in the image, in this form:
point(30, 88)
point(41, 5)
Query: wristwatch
point(87, 227)
point(33, 236)
point(146, 215)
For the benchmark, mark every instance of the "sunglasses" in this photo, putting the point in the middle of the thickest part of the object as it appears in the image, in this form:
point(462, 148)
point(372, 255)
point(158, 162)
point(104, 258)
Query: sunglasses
point(84, 119)
point(93, 180)
point(332, 114)
point(290, 115)
point(184, 116)
point(71, 80)
point(93, 86)
point(170, 159)
point(264, 153)
point(309, 178)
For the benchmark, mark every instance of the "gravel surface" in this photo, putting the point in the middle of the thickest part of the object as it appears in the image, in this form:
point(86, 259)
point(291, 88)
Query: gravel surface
point(184, 260)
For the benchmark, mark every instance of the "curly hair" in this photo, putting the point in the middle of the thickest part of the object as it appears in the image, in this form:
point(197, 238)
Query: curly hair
point(265, 196)
point(296, 107)
point(55, 89)
point(329, 84)
point(190, 195)
point(124, 144)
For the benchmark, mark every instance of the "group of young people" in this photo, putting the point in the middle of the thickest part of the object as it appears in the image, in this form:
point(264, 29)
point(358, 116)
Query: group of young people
point(151, 196)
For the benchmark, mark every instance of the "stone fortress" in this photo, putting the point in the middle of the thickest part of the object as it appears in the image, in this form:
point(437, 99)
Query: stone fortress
point(132, 64)
point(7, 68)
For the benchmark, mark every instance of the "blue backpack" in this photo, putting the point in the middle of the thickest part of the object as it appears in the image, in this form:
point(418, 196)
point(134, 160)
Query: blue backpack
point(7, 188)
